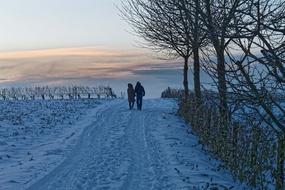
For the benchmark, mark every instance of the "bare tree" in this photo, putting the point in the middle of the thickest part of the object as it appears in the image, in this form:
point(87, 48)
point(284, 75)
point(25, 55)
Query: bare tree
point(219, 19)
point(260, 68)
point(167, 26)
point(257, 74)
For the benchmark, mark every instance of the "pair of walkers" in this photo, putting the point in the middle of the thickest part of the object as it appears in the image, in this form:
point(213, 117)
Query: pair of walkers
point(135, 93)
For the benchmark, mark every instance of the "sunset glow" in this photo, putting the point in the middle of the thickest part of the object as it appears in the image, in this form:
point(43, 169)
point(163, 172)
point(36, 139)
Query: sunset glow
point(87, 65)
point(85, 51)
point(76, 42)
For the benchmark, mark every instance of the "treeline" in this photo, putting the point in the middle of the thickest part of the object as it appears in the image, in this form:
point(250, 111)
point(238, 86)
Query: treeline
point(241, 45)
point(56, 92)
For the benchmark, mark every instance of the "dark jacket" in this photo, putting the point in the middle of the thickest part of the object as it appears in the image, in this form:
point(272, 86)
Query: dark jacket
point(139, 90)
point(131, 94)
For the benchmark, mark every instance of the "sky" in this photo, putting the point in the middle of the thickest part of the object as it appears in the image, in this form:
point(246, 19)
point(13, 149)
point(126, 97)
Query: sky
point(42, 24)
point(59, 42)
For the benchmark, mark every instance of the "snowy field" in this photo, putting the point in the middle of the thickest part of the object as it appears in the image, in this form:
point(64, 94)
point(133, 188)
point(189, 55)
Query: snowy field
point(36, 136)
point(67, 145)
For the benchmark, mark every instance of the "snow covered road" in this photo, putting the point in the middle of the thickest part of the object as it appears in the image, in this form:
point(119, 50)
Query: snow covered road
point(148, 149)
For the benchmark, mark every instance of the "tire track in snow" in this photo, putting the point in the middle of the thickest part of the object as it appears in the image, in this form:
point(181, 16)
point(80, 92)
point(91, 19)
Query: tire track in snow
point(128, 150)
point(95, 160)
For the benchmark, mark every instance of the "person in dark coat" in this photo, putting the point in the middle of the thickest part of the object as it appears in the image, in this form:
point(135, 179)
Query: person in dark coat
point(131, 96)
point(140, 93)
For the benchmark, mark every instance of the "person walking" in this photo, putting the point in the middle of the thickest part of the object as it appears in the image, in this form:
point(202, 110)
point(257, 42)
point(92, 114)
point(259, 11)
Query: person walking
point(140, 93)
point(131, 96)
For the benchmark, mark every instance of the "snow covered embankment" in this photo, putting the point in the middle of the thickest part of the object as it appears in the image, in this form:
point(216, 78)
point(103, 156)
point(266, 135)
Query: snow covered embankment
point(36, 136)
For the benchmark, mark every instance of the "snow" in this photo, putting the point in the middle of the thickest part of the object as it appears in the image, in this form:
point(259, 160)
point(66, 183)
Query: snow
point(111, 147)
point(35, 136)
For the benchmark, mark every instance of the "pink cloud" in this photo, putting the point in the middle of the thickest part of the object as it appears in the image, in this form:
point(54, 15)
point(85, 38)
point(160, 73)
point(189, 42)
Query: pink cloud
point(73, 63)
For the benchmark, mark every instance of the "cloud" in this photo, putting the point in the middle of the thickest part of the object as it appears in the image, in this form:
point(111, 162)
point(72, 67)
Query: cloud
point(74, 63)
point(77, 52)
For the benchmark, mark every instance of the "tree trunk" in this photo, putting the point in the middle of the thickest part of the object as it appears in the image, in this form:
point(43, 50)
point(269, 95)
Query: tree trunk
point(185, 81)
point(222, 85)
point(235, 134)
point(197, 34)
point(197, 83)
point(280, 163)
point(254, 156)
